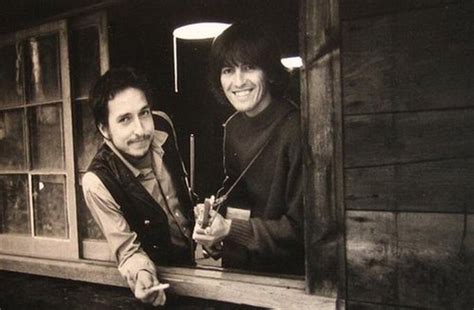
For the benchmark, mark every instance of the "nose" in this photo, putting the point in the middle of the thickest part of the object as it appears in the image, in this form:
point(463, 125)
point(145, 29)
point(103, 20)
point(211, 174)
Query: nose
point(139, 127)
point(239, 78)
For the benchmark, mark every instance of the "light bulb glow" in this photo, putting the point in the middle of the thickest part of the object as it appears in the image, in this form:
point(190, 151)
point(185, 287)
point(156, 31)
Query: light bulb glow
point(197, 31)
point(200, 31)
point(292, 62)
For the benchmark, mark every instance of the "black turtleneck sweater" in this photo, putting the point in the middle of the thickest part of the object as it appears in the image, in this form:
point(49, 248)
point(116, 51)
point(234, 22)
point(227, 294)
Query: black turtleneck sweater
point(272, 189)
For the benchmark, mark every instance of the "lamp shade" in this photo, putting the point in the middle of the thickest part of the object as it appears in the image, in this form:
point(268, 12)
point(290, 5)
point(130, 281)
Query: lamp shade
point(199, 31)
point(196, 31)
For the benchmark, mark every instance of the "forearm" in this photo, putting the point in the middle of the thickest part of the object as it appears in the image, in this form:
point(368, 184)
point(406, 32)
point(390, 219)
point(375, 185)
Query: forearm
point(266, 237)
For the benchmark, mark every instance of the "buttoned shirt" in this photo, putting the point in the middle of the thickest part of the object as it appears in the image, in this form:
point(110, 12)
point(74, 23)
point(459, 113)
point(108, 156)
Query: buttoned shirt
point(122, 241)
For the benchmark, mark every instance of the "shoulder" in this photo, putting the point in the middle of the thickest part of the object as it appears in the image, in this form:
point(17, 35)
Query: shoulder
point(104, 162)
point(291, 123)
point(91, 182)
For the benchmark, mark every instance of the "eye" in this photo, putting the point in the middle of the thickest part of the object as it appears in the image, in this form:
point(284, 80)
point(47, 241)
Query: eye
point(226, 70)
point(248, 67)
point(145, 113)
point(124, 120)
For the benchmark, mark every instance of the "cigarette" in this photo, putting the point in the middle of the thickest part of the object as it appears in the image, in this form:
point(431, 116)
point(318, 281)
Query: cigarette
point(159, 287)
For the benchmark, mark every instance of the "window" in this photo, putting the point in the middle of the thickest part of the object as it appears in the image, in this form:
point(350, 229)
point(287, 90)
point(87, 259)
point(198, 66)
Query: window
point(36, 166)
point(38, 111)
point(89, 61)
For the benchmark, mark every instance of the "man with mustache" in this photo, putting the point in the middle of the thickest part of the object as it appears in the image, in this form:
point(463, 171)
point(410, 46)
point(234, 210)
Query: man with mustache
point(136, 186)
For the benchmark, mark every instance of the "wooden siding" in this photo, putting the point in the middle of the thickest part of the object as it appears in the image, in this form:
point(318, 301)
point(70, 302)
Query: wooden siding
point(382, 139)
point(410, 259)
point(440, 186)
point(322, 140)
point(408, 101)
point(419, 60)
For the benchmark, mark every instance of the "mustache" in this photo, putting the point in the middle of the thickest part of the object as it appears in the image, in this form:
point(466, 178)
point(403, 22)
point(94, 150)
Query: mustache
point(140, 139)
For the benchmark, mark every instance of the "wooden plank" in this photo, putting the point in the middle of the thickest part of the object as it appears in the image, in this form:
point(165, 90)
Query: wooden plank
point(410, 259)
point(371, 245)
point(214, 285)
point(322, 153)
point(468, 255)
point(432, 266)
point(432, 186)
point(354, 9)
point(355, 305)
point(383, 139)
point(418, 60)
point(321, 28)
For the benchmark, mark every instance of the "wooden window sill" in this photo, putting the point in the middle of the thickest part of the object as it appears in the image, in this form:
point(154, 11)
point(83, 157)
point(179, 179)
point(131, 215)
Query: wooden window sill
point(262, 291)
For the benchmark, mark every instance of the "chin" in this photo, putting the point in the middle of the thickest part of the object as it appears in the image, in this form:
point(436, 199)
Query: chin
point(137, 154)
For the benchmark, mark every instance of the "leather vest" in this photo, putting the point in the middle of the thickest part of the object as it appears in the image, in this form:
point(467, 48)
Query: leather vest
point(143, 214)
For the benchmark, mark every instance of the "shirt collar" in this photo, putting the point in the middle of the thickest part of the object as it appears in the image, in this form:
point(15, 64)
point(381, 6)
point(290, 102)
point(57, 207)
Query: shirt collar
point(159, 138)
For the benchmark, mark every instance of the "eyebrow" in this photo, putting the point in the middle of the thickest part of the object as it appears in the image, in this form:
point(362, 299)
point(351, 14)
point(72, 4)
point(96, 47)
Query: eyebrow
point(146, 107)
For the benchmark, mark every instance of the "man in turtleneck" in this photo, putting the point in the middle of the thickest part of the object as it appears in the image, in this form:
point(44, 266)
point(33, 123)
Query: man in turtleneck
point(136, 185)
point(261, 226)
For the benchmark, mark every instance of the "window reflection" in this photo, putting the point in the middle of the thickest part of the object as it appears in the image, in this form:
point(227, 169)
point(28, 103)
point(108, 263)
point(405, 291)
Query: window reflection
point(49, 205)
point(11, 90)
point(42, 69)
point(12, 145)
point(85, 61)
point(47, 145)
point(14, 211)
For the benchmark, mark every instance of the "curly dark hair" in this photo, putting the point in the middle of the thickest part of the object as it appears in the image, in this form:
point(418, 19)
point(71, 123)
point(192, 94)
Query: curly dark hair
point(252, 44)
point(110, 84)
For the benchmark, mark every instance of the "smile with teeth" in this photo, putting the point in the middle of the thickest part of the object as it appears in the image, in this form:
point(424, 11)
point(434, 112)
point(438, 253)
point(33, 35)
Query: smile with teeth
point(242, 93)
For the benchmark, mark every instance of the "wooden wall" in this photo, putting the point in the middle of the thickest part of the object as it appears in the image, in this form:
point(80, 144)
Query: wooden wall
point(408, 141)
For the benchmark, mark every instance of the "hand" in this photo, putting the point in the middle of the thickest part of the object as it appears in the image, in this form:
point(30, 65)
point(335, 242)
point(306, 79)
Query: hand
point(213, 234)
point(146, 291)
point(215, 251)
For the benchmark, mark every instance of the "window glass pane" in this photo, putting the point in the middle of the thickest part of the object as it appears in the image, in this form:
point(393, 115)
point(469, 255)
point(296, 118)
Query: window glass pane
point(10, 75)
point(88, 228)
point(85, 60)
point(42, 75)
point(14, 211)
point(49, 204)
point(12, 145)
point(87, 137)
point(46, 138)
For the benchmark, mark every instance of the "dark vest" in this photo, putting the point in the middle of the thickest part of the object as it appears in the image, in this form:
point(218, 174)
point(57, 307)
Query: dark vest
point(143, 214)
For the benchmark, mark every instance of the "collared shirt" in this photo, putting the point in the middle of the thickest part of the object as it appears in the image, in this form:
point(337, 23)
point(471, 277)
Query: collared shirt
point(123, 242)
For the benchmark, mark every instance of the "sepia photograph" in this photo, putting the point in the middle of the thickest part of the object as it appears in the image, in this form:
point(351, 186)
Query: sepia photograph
point(236, 154)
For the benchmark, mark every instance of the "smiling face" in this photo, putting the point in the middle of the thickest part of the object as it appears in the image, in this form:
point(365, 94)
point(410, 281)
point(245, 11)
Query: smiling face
point(246, 88)
point(130, 124)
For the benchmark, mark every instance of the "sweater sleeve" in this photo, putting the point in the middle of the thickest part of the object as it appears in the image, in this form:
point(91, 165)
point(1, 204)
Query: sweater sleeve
point(277, 237)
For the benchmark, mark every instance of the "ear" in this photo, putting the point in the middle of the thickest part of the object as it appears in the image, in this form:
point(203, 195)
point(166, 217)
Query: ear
point(104, 131)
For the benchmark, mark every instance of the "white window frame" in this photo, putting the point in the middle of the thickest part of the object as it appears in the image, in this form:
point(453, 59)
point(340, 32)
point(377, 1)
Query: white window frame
point(35, 245)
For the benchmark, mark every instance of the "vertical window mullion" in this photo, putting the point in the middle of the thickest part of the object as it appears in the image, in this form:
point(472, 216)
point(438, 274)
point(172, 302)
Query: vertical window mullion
point(31, 205)
point(67, 135)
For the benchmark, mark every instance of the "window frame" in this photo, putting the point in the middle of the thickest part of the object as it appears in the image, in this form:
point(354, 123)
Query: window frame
point(36, 245)
point(93, 249)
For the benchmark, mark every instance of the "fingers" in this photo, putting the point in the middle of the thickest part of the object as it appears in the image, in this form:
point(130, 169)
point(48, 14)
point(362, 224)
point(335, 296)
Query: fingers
point(149, 290)
point(160, 300)
point(154, 295)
